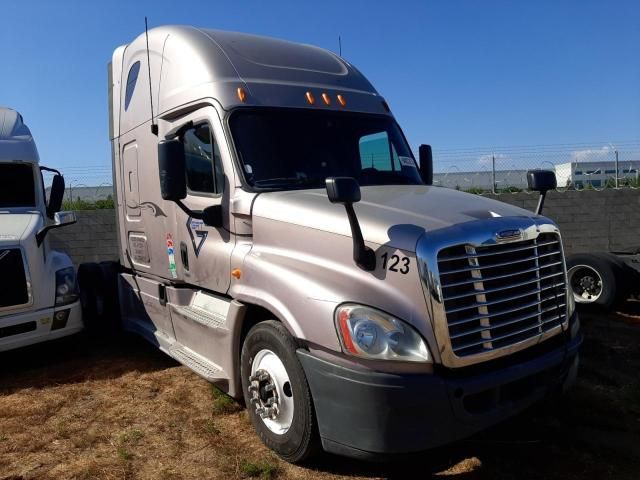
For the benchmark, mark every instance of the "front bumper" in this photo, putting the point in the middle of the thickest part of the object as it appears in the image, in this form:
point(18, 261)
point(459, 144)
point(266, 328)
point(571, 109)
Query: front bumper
point(35, 326)
point(365, 413)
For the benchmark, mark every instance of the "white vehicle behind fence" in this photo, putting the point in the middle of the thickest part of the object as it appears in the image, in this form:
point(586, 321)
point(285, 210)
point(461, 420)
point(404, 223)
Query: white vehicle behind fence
point(38, 295)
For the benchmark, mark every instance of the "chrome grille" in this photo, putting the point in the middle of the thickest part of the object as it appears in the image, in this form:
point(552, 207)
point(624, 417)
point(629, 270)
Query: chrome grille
point(498, 295)
point(15, 289)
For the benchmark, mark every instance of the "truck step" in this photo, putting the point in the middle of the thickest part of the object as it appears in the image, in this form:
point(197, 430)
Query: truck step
point(203, 367)
point(206, 309)
point(197, 314)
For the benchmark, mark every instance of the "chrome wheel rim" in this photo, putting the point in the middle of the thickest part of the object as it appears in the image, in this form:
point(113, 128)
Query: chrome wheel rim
point(270, 392)
point(585, 283)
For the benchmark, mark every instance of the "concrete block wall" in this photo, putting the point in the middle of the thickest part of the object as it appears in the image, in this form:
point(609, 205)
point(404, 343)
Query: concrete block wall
point(589, 220)
point(92, 239)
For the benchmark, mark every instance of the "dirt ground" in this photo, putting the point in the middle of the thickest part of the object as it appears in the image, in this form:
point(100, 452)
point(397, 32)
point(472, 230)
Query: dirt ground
point(85, 409)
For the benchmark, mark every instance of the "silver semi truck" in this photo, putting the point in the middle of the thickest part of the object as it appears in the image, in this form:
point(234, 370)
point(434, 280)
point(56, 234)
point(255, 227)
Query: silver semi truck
point(38, 294)
point(278, 237)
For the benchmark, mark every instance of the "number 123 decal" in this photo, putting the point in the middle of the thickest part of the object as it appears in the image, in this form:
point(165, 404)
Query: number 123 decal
point(395, 263)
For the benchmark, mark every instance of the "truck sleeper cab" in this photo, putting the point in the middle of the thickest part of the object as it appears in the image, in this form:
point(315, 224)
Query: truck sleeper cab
point(279, 238)
point(38, 294)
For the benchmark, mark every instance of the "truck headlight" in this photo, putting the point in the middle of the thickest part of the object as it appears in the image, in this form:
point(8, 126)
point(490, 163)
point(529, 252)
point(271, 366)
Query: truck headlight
point(66, 287)
point(369, 333)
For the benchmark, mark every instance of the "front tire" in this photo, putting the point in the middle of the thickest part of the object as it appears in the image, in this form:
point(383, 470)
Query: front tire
point(277, 394)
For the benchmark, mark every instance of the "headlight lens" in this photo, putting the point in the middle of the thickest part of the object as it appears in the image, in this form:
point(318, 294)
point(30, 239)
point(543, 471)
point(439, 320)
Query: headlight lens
point(66, 287)
point(369, 333)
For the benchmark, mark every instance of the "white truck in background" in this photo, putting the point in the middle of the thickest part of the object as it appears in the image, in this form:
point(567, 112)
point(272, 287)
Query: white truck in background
point(38, 294)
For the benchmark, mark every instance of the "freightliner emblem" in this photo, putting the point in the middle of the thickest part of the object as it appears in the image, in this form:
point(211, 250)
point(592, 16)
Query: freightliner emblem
point(509, 235)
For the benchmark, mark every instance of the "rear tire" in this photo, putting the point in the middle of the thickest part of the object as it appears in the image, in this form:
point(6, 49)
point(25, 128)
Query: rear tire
point(99, 296)
point(292, 432)
point(596, 280)
point(111, 300)
point(88, 281)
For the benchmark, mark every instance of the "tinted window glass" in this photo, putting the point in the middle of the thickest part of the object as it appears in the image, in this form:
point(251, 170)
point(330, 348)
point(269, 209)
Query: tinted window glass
point(377, 153)
point(17, 188)
point(289, 149)
point(204, 167)
point(131, 83)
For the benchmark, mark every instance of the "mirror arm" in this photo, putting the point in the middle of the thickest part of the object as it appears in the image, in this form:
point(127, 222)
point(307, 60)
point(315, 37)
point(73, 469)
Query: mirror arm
point(197, 214)
point(543, 194)
point(41, 234)
point(364, 257)
point(44, 230)
point(48, 169)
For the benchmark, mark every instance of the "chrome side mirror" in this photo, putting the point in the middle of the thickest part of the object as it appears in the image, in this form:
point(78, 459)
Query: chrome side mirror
point(60, 219)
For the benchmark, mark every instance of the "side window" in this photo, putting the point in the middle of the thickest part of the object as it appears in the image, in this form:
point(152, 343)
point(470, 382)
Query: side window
point(131, 84)
point(376, 152)
point(203, 162)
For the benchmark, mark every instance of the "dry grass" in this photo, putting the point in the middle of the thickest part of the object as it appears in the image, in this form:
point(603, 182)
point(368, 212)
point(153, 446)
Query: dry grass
point(85, 409)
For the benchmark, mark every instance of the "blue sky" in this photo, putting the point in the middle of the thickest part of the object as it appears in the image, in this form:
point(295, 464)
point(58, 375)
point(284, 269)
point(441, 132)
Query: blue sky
point(457, 74)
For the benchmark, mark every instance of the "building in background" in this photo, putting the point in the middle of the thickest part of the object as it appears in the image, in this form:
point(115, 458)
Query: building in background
point(596, 174)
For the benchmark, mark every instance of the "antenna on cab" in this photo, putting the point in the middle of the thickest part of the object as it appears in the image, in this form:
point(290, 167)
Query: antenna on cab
point(154, 126)
point(340, 45)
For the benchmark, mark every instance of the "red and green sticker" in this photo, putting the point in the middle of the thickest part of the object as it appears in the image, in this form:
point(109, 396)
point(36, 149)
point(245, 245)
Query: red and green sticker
point(172, 257)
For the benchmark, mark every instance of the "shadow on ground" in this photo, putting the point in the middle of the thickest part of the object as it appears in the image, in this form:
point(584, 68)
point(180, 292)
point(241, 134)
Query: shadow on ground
point(77, 359)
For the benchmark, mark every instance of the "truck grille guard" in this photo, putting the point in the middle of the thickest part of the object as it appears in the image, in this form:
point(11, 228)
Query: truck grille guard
point(501, 290)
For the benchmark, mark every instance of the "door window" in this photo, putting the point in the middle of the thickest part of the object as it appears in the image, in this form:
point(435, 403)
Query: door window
point(203, 163)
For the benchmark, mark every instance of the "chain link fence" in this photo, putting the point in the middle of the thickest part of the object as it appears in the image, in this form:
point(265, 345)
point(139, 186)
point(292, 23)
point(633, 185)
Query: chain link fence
point(577, 166)
point(86, 187)
point(495, 170)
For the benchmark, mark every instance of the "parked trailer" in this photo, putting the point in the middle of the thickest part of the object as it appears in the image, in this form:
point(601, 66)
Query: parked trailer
point(278, 237)
point(38, 294)
point(601, 280)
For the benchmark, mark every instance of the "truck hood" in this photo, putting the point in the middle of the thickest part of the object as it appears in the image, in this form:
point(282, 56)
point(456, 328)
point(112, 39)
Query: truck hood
point(389, 215)
point(14, 227)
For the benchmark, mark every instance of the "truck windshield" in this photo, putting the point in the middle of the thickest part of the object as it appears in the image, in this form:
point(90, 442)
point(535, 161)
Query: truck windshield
point(290, 149)
point(17, 188)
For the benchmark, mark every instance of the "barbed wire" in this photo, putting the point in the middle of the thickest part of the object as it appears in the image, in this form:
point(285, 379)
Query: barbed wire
point(479, 170)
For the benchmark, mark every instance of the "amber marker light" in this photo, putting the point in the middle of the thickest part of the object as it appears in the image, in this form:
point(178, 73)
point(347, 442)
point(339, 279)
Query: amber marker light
point(342, 101)
point(236, 273)
point(343, 318)
point(242, 95)
point(326, 99)
point(310, 98)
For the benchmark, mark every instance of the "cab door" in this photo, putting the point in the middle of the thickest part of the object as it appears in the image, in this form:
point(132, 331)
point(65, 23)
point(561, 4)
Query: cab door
point(203, 251)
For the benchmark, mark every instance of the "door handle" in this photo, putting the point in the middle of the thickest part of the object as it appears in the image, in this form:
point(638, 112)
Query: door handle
point(184, 255)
